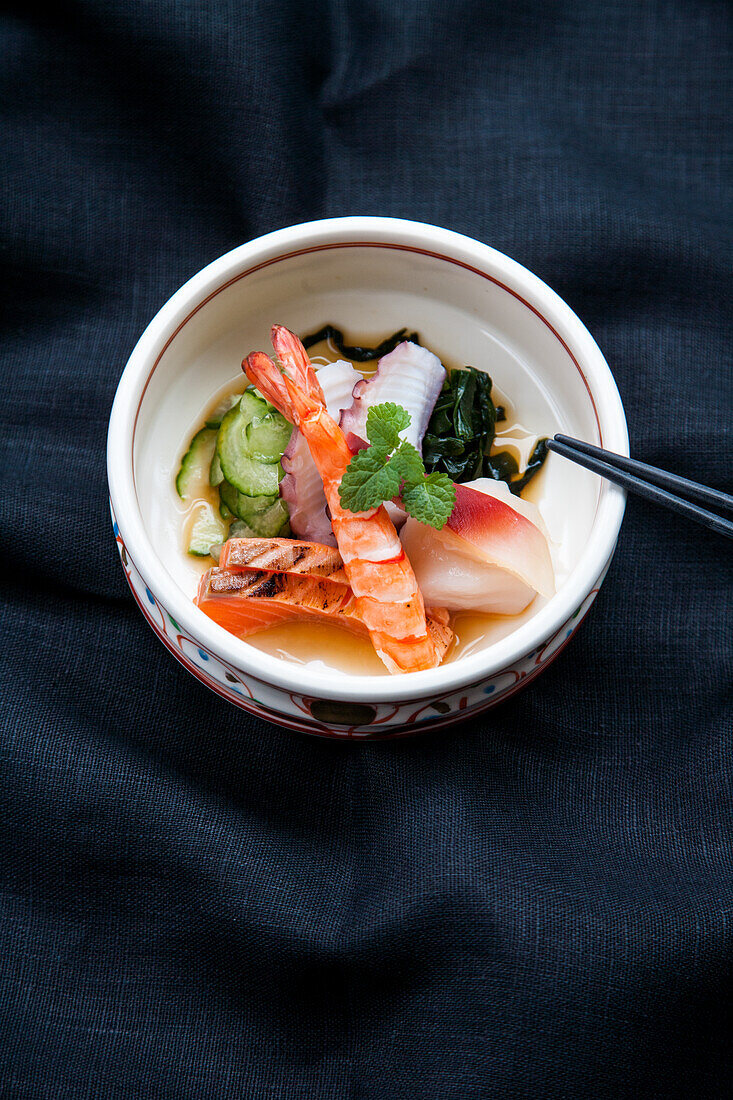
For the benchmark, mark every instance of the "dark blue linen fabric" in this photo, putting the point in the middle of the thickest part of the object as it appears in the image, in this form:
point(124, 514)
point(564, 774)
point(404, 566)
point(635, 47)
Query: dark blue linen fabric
point(197, 904)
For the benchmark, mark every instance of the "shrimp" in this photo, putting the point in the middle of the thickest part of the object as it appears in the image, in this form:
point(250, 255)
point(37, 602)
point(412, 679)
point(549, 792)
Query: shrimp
point(388, 598)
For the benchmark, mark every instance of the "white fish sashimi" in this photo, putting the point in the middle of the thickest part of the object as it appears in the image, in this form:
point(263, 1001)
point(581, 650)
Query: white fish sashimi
point(502, 529)
point(302, 488)
point(410, 376)
point(492, 556)
point(452, 579)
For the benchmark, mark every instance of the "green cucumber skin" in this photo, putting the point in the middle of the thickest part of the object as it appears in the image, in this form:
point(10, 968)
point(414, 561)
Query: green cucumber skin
point(202, 550)
point(207, 530)
point(264, 517)
point(268, 436)
point(239, 466)
point(253, 479)
point(216, 474)
point(240, 504)
point(240, 449)
point(196, 460)
point(221, 409)
point(270, 524)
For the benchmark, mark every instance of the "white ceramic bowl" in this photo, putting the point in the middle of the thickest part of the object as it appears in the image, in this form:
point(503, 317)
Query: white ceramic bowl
point(470, 304)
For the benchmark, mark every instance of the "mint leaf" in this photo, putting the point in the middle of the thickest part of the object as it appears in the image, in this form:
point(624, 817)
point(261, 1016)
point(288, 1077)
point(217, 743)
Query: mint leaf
point(431, 500)
point(408, 462)
point(375, 474)
point(384, 424)
point(369, 479)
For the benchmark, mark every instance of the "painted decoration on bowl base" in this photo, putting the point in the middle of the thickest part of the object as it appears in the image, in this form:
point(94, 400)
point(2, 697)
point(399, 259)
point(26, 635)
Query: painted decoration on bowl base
point(336, 718)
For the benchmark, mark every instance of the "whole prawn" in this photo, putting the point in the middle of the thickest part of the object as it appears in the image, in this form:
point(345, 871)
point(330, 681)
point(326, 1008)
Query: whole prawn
point(388, 597)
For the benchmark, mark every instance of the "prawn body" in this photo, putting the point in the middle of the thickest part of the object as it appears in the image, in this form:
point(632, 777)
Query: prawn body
point(379, 573)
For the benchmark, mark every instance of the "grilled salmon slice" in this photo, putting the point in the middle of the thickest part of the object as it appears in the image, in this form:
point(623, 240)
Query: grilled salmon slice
point(283, 556)
point(245, 601)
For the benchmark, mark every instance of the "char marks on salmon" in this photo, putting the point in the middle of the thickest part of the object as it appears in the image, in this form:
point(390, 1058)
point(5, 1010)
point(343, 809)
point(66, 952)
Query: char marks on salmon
point(283, 556)
point(245, 601)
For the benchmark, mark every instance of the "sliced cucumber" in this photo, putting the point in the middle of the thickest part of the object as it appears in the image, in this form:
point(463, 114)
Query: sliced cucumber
point(268, 436)
point(240, 464)
point(254, 479)
point(229, 497)
point(241, 505)
point(263, 525)
point(216, 474)
point(208, 530)
point(223, 407)
point(269, 524)
point(196, 462)
point(240, 530)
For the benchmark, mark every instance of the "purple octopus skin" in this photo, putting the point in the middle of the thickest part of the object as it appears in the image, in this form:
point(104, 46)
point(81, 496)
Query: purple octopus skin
point(410, 376)
point(302, 491)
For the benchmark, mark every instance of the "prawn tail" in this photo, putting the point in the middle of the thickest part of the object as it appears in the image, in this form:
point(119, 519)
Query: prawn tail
point(265, 375)
point(295, 361)
point(303, 405)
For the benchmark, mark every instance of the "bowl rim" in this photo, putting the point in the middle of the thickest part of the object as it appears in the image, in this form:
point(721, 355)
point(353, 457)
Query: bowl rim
point(342, 232)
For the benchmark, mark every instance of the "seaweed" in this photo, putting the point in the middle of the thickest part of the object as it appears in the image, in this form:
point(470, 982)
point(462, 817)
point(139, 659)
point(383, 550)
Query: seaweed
point(354, 351)
point(536, 459)
point(461, 433)
point(462, 426)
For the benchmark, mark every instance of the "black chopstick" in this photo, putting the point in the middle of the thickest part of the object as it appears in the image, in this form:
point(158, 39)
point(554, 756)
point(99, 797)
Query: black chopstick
point(681, 486)
point(649, 482)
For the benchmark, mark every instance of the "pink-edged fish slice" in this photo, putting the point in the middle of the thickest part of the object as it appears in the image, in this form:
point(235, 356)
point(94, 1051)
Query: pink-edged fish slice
point(502, 536)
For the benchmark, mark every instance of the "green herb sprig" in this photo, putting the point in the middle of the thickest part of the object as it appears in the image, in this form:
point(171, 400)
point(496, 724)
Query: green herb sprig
point(391, 467)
